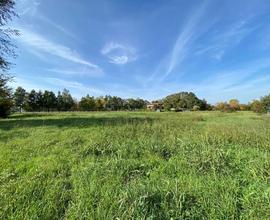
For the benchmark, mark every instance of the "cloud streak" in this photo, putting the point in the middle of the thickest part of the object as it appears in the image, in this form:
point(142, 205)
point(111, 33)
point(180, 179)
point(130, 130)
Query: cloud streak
point(27, 7)
point(41, 44)
point(82, 71)
point(186, 36)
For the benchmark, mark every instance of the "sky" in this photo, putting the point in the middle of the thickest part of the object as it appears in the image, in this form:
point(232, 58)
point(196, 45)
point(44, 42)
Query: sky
point(149, 49)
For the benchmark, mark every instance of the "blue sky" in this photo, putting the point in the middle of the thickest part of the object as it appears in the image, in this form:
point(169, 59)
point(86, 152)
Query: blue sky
point(214, 48)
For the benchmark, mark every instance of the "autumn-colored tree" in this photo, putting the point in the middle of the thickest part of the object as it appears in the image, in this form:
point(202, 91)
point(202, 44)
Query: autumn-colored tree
point(234, 104)
point(257, 106)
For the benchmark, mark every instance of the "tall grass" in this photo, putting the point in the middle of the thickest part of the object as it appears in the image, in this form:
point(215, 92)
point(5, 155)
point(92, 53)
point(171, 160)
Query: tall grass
point(135, 166)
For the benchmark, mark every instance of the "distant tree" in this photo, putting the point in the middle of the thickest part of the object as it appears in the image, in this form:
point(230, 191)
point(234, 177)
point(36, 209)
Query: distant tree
point(234, 104)
point(20, 98)
point(183, 100)
point(75, 106)
point(31, 101)
point(40, 101)
point(220, 106)
point(134, 104)
point(60, 102)
point(87, 103)
point(224, 107)
point(114, 103)
point(244, 107)
point(49, 100)
point(257, 106)
point(64, 101)
point(266, 103)
point(100, 103)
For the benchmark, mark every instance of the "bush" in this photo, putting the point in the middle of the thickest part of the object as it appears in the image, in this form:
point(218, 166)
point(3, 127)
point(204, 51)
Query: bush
point(5, 107)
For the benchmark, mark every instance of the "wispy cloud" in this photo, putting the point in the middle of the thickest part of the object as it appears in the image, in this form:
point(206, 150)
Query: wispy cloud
point(81, 71)
point(27, 7)
point(41, 44)
point(57, 26)
point(224, 40)
point(118, 53)
point(184, 39)
point(61, 82)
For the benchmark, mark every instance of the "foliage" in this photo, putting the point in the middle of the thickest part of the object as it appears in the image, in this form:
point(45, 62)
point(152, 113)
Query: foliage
point(6, 102)
point(234, 104)
point(244, 107)
point(130, 165)
point(87, 103)
point(266, 103)
point(65, 102)
point(183, 100)
point(257, 106)
point(225, 107)
point(6, 50)
point(20, 98)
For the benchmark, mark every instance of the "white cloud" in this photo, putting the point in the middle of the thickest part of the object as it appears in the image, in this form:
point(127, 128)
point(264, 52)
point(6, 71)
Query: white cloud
point(186, 36)
point(41, 44)
point(81, 71)
point(27, 7)
point(57, 26)
point(61, 82)
point(118, 53)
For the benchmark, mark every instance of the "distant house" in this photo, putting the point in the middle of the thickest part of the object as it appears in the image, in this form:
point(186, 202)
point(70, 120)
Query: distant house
point(154, 106)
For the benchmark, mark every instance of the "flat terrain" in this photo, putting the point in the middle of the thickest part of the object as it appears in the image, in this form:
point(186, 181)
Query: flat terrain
point(123, 165)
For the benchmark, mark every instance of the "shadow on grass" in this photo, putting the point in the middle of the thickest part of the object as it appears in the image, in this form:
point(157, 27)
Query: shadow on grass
point(72, 122)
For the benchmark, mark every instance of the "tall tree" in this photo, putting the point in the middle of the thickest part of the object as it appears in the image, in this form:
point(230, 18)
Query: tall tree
point(68, 101)
point(6, 50)
point(20, 98)
point(234, 104)
point(183, 100)
point(40, 101)
point(6, 46)
point(31, 101)
point(60, 101)
point(266, 103)
point(87, 103)
point(100, 103)
point(5, 96)
point(257, 106)
point(49, 100)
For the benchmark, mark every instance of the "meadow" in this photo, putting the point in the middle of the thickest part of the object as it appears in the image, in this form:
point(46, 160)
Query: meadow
point(135, 165)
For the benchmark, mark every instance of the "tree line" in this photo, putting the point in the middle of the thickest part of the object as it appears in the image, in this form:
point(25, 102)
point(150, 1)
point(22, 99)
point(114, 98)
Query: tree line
point(63, 101)
point(261, 105)
point(189, 101)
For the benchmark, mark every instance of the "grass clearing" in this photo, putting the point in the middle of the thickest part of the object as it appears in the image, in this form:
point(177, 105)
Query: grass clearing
point(192, 165)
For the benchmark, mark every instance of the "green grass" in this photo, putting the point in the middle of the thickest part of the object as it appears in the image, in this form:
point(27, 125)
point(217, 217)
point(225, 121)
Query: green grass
point(135, 166)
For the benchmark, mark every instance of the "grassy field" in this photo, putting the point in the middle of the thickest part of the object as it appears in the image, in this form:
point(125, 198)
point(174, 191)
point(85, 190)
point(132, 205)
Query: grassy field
point(135, 166)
